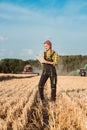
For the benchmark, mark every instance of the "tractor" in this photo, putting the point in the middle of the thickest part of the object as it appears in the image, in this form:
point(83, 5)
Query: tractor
point(83, 71)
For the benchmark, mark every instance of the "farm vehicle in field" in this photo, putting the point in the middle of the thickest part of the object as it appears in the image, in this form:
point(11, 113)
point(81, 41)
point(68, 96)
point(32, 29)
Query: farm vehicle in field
point(28, 70)
point(83, 71)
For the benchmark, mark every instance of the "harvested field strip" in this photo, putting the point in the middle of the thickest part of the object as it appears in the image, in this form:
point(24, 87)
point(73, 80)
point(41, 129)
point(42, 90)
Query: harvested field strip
point(16, 98)
point(74, 100)
point(63, 114)
point(22, 109)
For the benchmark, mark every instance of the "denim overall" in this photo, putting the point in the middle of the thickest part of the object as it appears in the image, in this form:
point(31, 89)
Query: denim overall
point(49, 71)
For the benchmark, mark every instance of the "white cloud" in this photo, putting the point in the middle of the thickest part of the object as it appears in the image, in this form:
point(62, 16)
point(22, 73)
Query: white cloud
point(26, 25)
point(27, 52)
point(52, 16)
point(5, 53)
point(2, 52)
point(3, 38)
point(18, 13)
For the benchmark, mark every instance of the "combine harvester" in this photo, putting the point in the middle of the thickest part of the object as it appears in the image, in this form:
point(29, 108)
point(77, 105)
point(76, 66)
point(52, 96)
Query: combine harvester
point(28, 70)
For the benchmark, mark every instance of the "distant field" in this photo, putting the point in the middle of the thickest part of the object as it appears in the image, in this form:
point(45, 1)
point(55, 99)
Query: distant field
point(21, 108)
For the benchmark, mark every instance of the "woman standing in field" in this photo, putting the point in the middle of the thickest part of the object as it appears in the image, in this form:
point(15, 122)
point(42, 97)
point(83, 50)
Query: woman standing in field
point(49, 71)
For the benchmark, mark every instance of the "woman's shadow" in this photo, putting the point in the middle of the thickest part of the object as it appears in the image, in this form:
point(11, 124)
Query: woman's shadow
point(45, 115)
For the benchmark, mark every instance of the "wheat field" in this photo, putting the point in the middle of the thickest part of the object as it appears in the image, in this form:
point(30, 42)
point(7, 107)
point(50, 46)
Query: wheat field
point(22, 109)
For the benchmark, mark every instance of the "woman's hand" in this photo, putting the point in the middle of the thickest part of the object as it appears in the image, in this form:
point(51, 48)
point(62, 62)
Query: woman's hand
point(48, 62)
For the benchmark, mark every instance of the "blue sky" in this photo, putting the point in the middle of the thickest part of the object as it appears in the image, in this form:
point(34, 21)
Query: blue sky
point(26, 24)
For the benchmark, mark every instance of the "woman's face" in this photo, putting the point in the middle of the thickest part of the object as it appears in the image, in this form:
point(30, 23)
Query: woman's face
point(47, 47)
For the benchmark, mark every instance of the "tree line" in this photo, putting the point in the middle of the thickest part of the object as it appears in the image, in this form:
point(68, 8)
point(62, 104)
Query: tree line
point(65, 64)
point(71, 63)
point(15, 65)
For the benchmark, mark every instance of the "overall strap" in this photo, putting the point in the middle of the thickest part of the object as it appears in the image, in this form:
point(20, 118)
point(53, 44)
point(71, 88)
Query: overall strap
point(44, 55)
point(50, 55)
